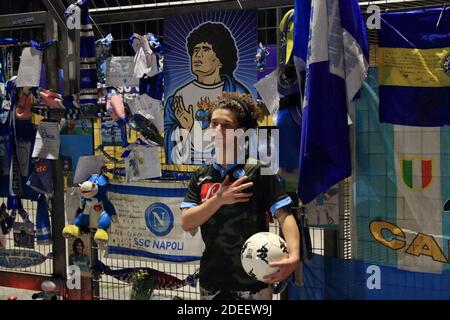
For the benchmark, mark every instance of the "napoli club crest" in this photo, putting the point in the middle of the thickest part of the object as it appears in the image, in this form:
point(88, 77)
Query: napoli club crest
point(238, 173)
point(159, 219)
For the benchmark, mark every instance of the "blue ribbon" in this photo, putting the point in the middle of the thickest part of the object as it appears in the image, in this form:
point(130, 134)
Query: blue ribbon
point(42, 46)
point(8, 41)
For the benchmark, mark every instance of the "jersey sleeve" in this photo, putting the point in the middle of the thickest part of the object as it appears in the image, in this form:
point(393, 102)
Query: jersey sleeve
point(274, 193)
point(192, 197)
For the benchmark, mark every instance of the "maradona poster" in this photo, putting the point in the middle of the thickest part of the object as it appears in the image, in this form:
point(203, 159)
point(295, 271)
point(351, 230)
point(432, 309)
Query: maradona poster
point(205, 54)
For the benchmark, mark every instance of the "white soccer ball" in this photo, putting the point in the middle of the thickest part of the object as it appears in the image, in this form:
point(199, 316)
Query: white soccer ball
point(259, 250)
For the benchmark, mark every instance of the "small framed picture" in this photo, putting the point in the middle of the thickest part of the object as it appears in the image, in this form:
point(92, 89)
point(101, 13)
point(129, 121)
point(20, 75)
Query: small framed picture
point(23, 234)
point(79, 254)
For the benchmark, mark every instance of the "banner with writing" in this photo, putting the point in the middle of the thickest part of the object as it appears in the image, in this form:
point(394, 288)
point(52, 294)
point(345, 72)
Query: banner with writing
point(149, 223)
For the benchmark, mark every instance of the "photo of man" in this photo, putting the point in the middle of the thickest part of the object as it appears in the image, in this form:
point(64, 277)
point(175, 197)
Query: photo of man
point(79, 255)
point(213, 61)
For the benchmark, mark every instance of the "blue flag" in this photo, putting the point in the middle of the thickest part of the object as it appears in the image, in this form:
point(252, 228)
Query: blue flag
point(302, 16)
point(336, 67)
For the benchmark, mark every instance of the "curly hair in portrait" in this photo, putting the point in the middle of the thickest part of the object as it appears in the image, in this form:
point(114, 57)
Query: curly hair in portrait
point(219, 37)
point(76, 242)
point(247, 111)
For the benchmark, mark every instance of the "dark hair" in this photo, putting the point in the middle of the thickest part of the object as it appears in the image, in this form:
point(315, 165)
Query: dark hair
point(247, 112)
point(76, 242)
point(219, 37)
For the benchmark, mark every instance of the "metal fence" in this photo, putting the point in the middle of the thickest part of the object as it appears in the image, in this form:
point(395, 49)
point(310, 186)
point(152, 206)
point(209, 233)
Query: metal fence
point(110, 288)
point(45, 268)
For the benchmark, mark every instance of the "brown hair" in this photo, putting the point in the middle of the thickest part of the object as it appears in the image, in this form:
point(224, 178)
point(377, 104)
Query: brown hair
point(75, 243)
point(247, 112)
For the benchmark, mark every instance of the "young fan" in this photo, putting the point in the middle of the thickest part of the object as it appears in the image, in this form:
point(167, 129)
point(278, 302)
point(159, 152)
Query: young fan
point(229, 201)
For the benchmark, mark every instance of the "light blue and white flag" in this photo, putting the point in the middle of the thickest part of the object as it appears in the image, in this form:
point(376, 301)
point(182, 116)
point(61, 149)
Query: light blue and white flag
point(402, 190)
point(336, 68)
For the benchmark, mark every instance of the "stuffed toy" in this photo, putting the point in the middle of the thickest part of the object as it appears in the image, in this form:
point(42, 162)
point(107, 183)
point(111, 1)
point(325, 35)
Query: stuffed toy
point(49, 291)
point(93, 199)
point(261, 57)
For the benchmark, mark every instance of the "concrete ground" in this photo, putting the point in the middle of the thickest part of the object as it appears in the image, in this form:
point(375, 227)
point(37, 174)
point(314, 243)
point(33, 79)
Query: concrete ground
point(6, 292)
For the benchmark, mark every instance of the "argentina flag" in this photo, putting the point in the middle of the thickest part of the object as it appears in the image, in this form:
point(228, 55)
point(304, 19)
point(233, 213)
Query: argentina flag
point(402, 190)
point(336, 67)
point(414, 67)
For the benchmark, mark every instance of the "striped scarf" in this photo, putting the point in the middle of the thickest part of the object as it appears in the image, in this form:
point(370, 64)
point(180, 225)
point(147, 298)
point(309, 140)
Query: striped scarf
point(88, 64)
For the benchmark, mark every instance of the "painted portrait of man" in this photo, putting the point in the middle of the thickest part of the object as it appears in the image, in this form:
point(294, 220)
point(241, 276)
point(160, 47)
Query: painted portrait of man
point(213, 61)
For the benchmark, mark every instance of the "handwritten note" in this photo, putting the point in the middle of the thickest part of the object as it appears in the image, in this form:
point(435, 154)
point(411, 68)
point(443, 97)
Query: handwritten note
point(143, 163)
point(47, 141)
point(149, 223)
point(87, 166)
point(120, 72)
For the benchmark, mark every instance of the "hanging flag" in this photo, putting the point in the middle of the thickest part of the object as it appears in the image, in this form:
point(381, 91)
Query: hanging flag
point(302, 16)
point(402, 187)
point(149, 226)
point(414, 67)
point(336, 67)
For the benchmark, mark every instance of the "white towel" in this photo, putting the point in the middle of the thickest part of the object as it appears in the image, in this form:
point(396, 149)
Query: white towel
point(145, 60)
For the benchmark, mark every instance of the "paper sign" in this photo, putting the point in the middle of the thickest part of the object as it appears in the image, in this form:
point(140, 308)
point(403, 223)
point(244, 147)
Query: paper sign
point(150, 108)
point(324, 210)
point(267, 88)
point(30, 67)
point(87, 166)
point(143, 163)
point(120, 72)
point(47, 141)
point(72, 203)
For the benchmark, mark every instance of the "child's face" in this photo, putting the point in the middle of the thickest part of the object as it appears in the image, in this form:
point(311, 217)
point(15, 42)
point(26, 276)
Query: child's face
point(79, 248)
point(224, 123)
point(223, 119)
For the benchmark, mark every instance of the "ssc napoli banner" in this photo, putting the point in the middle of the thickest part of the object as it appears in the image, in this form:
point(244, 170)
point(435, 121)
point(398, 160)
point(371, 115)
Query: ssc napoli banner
point(205, 54)
point(149, 223)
